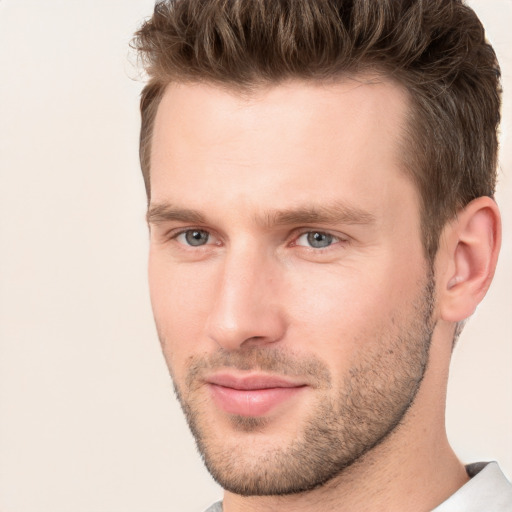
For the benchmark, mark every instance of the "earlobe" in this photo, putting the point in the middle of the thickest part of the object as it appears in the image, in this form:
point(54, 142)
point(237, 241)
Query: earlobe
point(471, 244)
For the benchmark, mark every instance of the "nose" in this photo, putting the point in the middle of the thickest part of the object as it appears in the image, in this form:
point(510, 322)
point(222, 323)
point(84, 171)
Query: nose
point(246, 308)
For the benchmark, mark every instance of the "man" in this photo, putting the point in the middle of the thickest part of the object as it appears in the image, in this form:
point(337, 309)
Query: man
point(320, 178)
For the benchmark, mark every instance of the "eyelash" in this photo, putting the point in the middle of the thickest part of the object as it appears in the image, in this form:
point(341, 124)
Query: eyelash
point(337, 239)
point(175, 235)
point(334, 240)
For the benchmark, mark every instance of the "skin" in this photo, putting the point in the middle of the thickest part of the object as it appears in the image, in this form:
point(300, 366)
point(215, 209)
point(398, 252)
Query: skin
point(354, 322)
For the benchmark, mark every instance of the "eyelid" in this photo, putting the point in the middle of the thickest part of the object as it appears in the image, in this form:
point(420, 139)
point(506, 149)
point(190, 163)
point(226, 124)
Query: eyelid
point(173, 234)
point(338, 237)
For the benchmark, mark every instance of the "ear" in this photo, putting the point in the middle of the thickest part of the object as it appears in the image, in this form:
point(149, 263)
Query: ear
point(467, 258)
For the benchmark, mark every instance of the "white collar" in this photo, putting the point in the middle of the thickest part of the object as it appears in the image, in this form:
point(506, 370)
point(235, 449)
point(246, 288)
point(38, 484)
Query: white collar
point(487, 491)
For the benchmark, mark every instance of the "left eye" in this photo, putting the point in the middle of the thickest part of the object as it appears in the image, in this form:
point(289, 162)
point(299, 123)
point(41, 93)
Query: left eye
point(316, 239)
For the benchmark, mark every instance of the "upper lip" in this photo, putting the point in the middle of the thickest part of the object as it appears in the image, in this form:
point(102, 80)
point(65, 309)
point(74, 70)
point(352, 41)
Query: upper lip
point(251, 382)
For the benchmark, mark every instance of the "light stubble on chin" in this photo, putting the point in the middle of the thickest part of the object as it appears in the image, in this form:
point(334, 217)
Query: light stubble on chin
point(343, 425)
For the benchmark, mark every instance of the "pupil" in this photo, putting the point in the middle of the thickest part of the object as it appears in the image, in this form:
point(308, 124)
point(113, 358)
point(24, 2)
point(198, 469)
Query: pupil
point(319, 240)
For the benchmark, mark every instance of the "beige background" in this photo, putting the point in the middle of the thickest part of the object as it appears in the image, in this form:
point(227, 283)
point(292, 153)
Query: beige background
point(88, 422)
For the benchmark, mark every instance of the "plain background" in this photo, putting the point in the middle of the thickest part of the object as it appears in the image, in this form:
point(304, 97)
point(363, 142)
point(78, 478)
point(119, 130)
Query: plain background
point(88, 421)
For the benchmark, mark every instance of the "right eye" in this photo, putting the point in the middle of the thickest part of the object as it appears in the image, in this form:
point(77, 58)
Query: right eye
point(193, 237)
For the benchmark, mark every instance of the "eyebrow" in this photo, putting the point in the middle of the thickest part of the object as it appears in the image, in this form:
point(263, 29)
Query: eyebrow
point(336, 213)
point(165, 212)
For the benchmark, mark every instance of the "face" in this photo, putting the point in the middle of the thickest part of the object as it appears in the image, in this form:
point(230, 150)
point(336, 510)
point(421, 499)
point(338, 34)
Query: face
point(287, 276)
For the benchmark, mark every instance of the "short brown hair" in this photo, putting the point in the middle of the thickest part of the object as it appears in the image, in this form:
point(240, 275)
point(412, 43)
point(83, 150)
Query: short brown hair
point(436, 49)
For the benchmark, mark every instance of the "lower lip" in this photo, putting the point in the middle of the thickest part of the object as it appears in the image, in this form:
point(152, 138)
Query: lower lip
point(251, 402)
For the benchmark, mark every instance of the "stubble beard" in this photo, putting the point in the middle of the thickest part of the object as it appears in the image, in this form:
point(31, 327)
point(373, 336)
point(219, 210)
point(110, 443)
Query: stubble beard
point(370, 405)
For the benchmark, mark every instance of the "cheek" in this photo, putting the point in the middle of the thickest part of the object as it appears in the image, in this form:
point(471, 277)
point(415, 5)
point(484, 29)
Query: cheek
point(181, 299)
point(338, 310)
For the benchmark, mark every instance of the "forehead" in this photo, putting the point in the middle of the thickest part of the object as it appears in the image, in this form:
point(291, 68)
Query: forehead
point(297, 141)
point(342, 102)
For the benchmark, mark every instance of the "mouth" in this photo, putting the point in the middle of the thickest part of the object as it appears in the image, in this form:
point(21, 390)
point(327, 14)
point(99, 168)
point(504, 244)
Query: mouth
point(251, 395)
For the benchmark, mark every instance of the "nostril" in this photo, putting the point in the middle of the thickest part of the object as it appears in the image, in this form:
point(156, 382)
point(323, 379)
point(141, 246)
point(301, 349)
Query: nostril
point(260, 327)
